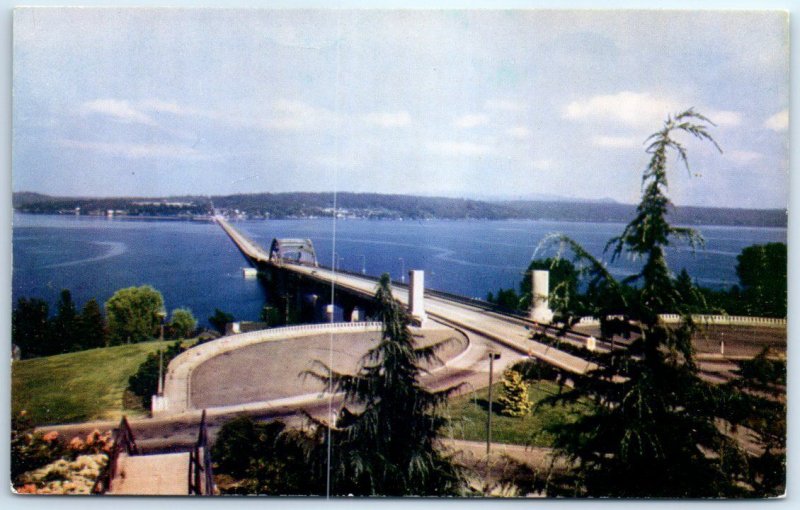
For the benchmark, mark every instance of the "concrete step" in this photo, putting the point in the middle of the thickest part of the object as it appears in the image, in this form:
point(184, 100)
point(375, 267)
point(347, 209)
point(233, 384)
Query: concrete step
point(149, 475)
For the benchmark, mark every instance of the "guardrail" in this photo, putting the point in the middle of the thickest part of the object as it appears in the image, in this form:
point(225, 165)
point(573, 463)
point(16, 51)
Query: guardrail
point(123, 439)
point(474, 302)
point(201, 475)
point(246, 245)
point(725, 320)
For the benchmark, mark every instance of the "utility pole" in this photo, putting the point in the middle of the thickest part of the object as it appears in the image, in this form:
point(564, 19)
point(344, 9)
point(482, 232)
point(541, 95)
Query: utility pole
point(493, 355)
point(160, 390)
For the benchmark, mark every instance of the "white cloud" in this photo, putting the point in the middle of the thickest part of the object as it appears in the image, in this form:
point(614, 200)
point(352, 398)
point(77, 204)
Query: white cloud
point(519, 132)
point(505, 105)
point(290, 115)
point(136, 150)
point(470, 121)
point(121, 111)
point(740, 157)
point(388, 119)
point(778, 122)
point(280, 115)
point(616, 142)
point(160, 106)
point(724, 118)
point(641, 110)
point(638, 109)
point(460, 149)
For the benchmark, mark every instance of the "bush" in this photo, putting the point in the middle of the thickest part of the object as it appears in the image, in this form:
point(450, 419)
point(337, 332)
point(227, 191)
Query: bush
point(534, 370)
point(144, 383)
point(31, 450)
point(514, 399)
point(263, 458)
point(182, 323)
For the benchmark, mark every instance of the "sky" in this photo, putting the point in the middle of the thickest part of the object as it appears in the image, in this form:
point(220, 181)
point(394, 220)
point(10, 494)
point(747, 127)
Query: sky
point(480, 104)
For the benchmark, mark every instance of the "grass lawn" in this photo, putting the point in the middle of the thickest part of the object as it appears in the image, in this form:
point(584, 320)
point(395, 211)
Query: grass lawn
point(79, 386)
point(468, 417)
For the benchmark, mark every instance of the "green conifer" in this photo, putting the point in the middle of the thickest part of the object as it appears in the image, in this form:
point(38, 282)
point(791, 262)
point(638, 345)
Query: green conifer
point(514, 399)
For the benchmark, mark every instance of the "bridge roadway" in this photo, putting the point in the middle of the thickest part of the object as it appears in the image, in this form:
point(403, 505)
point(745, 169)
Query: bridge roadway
point(508, 331)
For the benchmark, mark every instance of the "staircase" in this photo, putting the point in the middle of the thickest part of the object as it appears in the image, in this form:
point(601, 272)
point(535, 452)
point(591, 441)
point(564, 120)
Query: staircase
point(163, 475)
point(129, 472)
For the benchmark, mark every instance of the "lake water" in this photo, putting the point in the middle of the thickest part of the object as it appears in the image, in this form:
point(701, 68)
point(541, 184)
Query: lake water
point(195, 264)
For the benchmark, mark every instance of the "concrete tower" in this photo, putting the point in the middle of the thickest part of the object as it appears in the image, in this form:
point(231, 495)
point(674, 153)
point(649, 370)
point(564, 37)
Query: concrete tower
point(416, 296)
point(540, 291)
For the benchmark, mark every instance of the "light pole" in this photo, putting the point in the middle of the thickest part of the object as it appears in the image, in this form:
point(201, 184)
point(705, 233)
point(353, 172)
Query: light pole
point(402, 270)
point(363, 264)
point(162, 315)
point(493, 355)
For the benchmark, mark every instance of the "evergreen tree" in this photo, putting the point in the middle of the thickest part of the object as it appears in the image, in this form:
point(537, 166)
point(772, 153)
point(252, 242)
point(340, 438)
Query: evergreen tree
point(30, 327)
point(654, 430)
point(220, 319)
point(65, 326)
point(692, 296)
point(762, 273)
point(93, 331)
point(384, 441)
point(759, 403)
point(514, 400)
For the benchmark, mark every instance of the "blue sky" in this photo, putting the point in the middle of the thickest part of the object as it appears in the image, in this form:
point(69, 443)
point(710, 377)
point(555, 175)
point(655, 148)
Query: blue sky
point(455, 103)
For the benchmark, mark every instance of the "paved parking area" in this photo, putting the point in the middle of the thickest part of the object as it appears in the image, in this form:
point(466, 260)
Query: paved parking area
point(273, 370)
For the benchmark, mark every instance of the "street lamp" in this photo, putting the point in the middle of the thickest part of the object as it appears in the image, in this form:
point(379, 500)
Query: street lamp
point(493, 355)
point(402, 270)
point(363, 264)
point(162, 315)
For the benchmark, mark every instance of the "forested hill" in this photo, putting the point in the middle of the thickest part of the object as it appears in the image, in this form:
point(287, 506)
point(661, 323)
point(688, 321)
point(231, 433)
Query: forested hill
point(378, 206)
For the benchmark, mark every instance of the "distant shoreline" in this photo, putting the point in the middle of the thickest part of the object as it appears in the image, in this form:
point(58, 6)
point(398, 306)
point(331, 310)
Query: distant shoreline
point(378, 206)
point(205, 219)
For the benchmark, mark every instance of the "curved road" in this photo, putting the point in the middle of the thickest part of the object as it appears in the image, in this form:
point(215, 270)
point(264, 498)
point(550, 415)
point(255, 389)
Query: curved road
point(507, 331)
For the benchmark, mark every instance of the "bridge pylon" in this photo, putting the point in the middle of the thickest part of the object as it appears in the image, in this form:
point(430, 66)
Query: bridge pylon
point(416, 296)
point(540, 296)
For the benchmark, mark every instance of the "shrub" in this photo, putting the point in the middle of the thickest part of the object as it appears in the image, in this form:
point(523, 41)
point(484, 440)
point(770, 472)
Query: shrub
point(144, 383)
point(514, 399)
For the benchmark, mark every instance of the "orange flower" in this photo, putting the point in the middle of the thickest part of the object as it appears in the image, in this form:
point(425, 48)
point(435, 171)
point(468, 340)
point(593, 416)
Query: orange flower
point(76, 444)
point(50, 436)
point(28, 488)
point(92, 437)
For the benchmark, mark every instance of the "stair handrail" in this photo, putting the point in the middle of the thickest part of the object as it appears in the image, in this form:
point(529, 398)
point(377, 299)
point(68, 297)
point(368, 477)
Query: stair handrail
point(123, 438)
point(200, 463)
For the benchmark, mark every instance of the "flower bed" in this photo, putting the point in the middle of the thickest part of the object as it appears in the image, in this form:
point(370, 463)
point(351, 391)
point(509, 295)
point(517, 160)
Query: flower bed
point(44, 464)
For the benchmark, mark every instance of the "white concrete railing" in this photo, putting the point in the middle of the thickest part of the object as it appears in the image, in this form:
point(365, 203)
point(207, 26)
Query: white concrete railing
point(728, 320)
point(177, 383)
